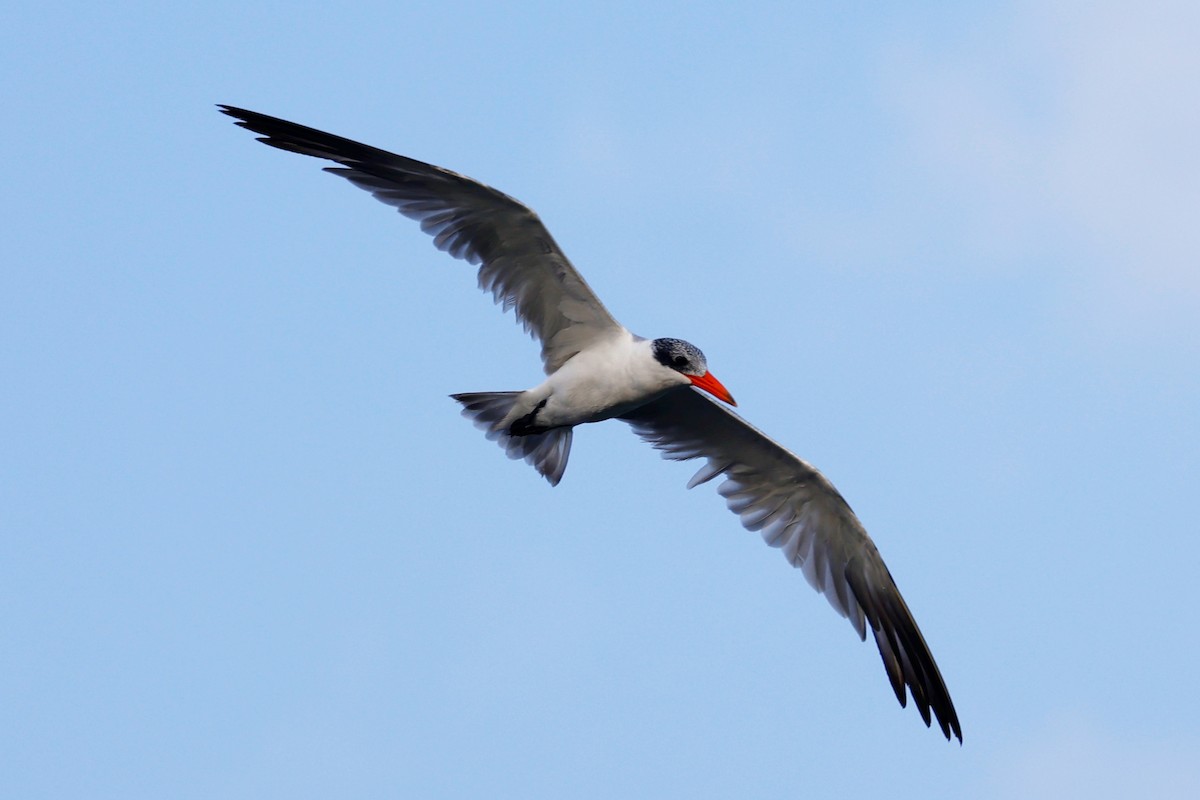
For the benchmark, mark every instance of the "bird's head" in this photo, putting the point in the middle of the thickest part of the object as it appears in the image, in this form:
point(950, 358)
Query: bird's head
point(686, 359)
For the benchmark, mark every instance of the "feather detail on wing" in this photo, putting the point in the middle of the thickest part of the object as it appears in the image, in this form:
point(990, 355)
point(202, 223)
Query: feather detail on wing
point(797, 510)
point(519, 262)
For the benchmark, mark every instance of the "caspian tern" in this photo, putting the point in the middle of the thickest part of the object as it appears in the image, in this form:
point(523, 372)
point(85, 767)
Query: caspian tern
point(598, 370)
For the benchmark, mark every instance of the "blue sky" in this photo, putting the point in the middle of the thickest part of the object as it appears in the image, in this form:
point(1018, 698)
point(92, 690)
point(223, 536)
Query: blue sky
point(946, 252)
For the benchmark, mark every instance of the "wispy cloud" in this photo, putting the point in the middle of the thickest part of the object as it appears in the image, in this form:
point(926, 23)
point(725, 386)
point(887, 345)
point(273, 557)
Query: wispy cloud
point(1075, 126)
point(1075, 758)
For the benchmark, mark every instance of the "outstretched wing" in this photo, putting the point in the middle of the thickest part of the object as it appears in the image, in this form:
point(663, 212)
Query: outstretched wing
point(519, 262)
point(798, 510)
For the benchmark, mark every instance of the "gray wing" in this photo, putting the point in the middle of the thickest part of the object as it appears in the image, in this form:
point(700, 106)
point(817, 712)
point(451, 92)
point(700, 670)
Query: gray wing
point(798, 510)
point(519, 262)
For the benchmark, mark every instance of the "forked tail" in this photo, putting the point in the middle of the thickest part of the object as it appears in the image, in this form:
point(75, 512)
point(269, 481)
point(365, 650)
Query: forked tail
point(546, 451)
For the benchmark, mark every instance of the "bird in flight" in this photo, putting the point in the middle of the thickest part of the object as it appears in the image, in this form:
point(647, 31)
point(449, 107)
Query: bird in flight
point(598, 370)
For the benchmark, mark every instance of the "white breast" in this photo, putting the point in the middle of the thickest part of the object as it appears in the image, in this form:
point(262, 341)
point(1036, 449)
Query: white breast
point(615, 375)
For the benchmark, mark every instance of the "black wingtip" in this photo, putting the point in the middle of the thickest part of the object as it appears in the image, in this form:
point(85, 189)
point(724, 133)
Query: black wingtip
point(256, 122)
point(907, 660)
point(296, 138)
point(234, 111)
point(250, 120)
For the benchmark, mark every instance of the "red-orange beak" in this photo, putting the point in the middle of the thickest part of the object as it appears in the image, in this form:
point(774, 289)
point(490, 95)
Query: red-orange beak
point(713, 386)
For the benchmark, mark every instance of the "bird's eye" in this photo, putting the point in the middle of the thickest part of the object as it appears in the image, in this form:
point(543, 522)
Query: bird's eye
point(679, 361)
